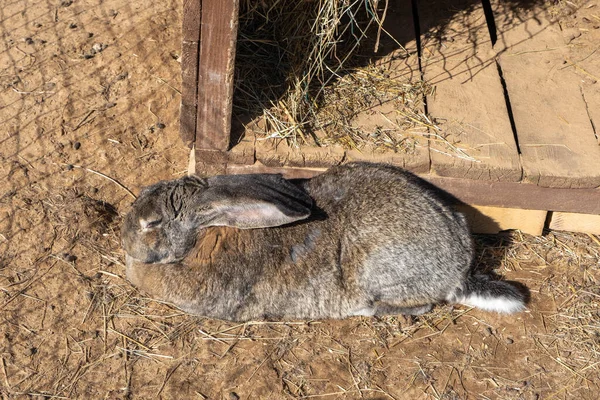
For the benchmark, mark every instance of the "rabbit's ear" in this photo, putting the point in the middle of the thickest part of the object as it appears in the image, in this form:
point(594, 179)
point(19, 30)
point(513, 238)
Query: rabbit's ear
point(253, 201)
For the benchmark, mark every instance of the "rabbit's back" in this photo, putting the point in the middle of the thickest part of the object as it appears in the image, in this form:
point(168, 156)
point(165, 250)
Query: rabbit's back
point(405, 242)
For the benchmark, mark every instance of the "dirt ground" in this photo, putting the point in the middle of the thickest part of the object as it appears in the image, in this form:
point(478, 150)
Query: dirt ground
point(89, 110)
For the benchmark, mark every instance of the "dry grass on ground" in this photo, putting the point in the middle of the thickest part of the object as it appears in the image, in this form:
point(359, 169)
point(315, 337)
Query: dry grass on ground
point(74, 328)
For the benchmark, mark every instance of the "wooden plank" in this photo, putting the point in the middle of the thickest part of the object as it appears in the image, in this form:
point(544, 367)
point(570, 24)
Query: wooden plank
point(557, 142)
point(241, 153)
point(584, 60)
point(189, 70)
point(215, 75)
point(187, 123)
point(280, 154)
point(573, 222)
point(469, 99)
point(492, 220)
point(520, 195)
point(483, 193)
point(402, 64)
point(417, 161)
point(192, 13)
point(260, 168)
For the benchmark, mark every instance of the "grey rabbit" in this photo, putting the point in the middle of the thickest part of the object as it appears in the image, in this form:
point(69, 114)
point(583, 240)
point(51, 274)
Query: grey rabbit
point(360, 239)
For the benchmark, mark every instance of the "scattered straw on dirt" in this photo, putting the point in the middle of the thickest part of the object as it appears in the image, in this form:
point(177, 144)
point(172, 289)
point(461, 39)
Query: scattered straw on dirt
point(72, 327)
point(101, 338)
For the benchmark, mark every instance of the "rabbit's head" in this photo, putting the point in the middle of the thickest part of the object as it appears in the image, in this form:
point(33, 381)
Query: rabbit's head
point(165, 219)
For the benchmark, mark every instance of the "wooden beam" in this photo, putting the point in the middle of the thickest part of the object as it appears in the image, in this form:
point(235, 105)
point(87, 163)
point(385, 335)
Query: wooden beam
point(520, 195)
point(492, 220)
point(575, 222)
point(189, 70)
point(470, 191)
point(580, 45)
point(215, 74)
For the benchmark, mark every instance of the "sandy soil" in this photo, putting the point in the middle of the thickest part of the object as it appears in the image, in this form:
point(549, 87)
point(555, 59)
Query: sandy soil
point(89, 111)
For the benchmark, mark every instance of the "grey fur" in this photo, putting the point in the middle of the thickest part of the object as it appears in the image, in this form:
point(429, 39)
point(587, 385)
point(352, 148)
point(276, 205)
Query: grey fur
point(377, 240)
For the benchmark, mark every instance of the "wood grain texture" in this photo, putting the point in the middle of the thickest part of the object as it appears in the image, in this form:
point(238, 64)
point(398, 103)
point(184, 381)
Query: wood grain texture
point(402, 64)
point(573, 222)
point(417, 161)
point(556, 138)
point(187, 123)
point(278, 153)
point(189, 73)
point(491, 220)
point(241, 153)
point(520, 195)
point(469, 102)
point(584, 60)
point(189, 70)
point(192, 13)
point(215, 75)
point(482, 193)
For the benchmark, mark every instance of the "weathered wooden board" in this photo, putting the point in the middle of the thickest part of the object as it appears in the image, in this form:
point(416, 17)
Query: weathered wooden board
point(491, 220)
point(189, 70)
point(584, 60)
point(402, 64)
point(480, 192)
point(556, 138)
point(287, 172)
point(520, 195)
point(279, 154)
point(241, 153)
point(469, 99)
point(575, 222)
point(415, 157)
point(215, 74)
point(416, 161)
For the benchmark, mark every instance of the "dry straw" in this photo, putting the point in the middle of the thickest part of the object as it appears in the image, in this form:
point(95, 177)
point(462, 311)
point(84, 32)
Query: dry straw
point(305, 69)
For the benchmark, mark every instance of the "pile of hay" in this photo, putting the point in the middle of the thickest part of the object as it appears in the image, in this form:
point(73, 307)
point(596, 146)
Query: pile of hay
point(304, 69)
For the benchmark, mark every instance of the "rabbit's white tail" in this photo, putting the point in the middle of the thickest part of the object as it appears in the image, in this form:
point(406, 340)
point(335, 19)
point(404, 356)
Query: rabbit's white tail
point(483, 292)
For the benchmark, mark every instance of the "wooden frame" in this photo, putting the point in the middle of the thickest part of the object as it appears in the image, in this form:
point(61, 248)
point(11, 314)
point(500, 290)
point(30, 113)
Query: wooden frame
point(523, 179)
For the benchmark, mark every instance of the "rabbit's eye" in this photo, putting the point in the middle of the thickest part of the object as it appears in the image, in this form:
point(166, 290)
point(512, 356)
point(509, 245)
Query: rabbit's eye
point(145, 224)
